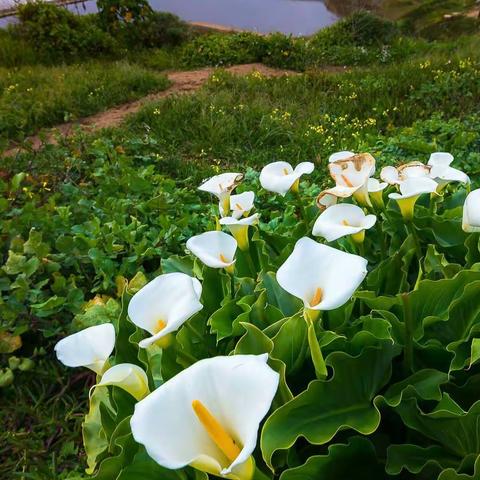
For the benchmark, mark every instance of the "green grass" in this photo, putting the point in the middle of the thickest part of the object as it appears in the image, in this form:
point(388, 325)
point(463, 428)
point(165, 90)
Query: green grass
point(33, 97)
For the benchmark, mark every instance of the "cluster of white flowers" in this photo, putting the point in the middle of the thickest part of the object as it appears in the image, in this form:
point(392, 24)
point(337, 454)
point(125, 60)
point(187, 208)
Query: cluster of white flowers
point(199, 417)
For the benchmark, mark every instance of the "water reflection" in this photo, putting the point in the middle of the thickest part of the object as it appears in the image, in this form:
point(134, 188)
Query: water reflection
point(297, 17)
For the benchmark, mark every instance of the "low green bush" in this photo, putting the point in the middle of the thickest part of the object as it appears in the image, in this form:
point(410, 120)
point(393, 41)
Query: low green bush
point(361, 28)
point(220, 49)
point(159, 29)
point(58, 34)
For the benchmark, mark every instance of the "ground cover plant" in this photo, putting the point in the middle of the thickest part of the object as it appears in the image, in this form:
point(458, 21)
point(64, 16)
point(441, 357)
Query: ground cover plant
point(244, 325)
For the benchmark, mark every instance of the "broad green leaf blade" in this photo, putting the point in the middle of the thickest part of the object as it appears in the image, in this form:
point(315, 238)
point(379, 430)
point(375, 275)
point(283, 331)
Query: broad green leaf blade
point(327, 407)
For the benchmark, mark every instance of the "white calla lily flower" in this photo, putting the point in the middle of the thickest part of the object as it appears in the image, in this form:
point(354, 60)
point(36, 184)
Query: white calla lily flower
point(410, 191)
point(397, 175)
point(375, 191)
point(164, 304)
point(215, 249)
point(343, 155)
point(341, 220)
point(351, 176)
point(208, 415)
point(127, 376)
point(239, 228)
point(471, 212)
point(222, 186)
point(280, 177)
point(89, 348)
point(442, 172)
point(323, 277)
point(241, 204)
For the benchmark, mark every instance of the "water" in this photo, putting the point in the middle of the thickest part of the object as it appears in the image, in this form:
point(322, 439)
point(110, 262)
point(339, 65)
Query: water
point(297, 17)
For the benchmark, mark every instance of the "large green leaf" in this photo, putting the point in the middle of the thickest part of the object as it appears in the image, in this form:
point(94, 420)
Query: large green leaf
point(356, 459)
point(458, 431)
point(327, 407)
point(416, 459)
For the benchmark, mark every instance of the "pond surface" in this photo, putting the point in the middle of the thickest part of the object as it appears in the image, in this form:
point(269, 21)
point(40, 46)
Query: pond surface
point(298, 17)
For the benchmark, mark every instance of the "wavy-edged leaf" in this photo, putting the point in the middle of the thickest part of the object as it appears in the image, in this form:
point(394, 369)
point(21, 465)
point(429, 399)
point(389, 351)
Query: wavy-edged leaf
point(327, 407)
point(356, 459)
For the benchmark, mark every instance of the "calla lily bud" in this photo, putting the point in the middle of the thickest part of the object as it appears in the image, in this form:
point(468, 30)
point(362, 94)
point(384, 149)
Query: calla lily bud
point(239, 228)
point(222, 186)
point(375, 191)
point(89, 348)
point(241, 204)
point(442, 172)
point(215, 249)
point(280, 177)
point(410, 191)
point(164, 304)
point(471, 212)
point(341, 220)
point(128, 377)
point(351, 175)
point(323, 277)
point(208, 415)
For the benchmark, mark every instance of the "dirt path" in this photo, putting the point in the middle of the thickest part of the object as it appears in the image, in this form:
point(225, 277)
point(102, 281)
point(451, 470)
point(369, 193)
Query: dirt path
point(182, 83)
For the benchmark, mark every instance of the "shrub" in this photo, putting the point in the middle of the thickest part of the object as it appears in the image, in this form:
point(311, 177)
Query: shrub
point(159, 29)
point(221, 49)
point(115, 15)
point(361, 28)
point(57, 33)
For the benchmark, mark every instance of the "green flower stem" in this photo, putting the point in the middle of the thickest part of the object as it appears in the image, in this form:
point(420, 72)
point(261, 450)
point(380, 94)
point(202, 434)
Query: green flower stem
point(316, 353)
point(381, 236)
point(360, 247)
point(408, 322)
point(315, 350)
point(232, 285)
point(418, 250)
point(250, 263)
point(301, 208)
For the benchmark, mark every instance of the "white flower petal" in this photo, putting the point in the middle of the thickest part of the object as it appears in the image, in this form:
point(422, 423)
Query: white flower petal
point(413, 170)
point(89, 348)
point(313, 266)
point(390, 175)
point(415, 186)
point(341, 220)
point(448, 174)
point(375, 186)
point(279, 177)
point(304, 168)
point(471, 212)
point(335, 157)
point(237, 390)
point(127, 376)
point(171, 298)
point(252, 220)
point(353, 172)
point(442, 159)
point(241, 203)
point(215, 249)
point(220, 184)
